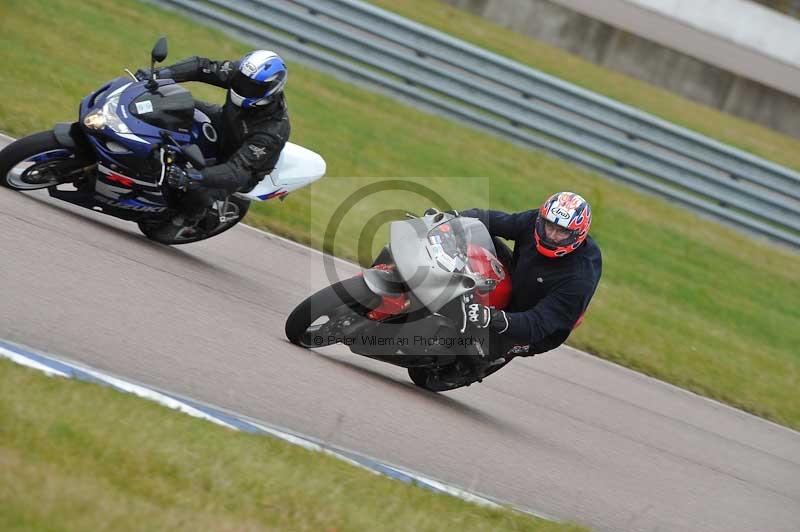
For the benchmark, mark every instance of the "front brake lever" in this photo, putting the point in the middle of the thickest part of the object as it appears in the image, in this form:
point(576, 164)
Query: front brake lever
point(163, 167)
point(166, 136)
point(464, 313)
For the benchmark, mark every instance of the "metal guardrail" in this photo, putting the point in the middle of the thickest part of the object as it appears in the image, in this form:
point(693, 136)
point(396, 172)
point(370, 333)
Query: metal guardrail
point(457, 79)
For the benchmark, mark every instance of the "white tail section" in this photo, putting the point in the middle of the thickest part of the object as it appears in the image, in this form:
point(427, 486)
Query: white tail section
point(296, 168)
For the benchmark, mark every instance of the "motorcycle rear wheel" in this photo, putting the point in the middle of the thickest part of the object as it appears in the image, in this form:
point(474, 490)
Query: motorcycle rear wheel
point(427, 378)
point(166, 232)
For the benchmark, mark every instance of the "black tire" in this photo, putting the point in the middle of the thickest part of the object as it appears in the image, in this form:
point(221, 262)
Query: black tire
point(352, 293)
point(425, 377)
point(166, 232)
point(26, 147)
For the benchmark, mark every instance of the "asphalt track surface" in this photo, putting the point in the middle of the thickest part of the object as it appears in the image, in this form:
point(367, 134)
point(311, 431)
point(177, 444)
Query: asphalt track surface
point(565, 434)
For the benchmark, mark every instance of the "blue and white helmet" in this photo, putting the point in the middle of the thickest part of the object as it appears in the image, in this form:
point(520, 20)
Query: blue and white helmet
point(261, 75)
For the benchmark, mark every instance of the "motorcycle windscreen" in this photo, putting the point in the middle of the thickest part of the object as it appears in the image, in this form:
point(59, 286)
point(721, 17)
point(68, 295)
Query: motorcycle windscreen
point(171, 107)
point(434, 261)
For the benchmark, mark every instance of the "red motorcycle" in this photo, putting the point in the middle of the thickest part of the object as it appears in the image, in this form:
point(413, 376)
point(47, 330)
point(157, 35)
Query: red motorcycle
point(409, 308)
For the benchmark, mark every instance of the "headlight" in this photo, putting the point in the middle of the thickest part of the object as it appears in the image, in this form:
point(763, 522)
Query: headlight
point(95, 120)
point(107, 116)
point(112, 118)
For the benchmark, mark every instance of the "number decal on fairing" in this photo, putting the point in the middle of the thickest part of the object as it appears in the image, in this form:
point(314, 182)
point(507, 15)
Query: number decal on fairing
point(144, 107)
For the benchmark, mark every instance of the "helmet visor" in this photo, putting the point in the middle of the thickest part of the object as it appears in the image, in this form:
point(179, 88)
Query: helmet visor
point(554, 236)
point(248, 88)
point(556, 233)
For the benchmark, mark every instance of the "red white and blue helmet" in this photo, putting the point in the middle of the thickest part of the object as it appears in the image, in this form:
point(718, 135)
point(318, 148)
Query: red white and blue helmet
point(567, 210)
point(261, 75)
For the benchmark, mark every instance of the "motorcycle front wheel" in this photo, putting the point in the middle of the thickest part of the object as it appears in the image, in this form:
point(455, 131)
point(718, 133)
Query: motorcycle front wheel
point(39, 161)
point(302, 325)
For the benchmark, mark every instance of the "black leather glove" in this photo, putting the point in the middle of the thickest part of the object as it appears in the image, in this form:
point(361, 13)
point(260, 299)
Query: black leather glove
point(431, 210)
point(184, 179)
point(480, 317)
point(144, 74)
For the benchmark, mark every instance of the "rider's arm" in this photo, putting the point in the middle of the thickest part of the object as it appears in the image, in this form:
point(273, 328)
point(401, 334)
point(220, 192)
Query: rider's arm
point(508, 226)
point(558, 311)
point(217, 73)
point(257, 156)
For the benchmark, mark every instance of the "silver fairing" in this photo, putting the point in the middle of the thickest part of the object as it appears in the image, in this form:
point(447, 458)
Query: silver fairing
point(431, 256)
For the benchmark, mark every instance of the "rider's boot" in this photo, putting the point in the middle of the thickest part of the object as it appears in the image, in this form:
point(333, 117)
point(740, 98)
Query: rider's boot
point(196, 214)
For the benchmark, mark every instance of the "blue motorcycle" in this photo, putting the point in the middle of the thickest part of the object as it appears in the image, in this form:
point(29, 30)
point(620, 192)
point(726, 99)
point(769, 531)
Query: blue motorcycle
point(115, 159)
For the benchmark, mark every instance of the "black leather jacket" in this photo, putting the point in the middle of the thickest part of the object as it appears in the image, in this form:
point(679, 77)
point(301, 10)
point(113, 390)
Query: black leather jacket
point(250, 140)
point(548, 296)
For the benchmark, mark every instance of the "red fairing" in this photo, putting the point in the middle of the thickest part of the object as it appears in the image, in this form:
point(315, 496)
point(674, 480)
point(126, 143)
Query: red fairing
point(390, 305)
point(484, 263)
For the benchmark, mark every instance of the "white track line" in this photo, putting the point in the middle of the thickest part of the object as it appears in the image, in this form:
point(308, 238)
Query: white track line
point(25, 361)
point(24, 358)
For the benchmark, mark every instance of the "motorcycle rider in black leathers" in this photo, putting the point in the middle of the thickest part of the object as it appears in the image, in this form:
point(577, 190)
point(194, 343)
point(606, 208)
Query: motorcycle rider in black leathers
point(555, 268)
point(252, 126)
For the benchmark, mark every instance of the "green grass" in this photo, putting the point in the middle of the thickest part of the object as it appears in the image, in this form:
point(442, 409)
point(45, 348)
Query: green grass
point(787, 7)
point(681, 299)
point(134, 465)
point(554, 61)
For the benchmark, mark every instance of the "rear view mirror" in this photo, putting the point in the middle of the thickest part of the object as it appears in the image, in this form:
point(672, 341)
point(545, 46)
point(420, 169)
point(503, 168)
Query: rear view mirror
point(159, 52)
point(194, 156)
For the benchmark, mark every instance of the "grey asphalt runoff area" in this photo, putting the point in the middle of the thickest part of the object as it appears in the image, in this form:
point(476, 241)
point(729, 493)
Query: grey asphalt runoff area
point(564, 434)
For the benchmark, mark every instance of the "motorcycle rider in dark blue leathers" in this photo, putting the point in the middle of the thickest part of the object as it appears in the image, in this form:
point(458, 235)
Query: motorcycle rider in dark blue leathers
point(555, 268)
point(252, 126)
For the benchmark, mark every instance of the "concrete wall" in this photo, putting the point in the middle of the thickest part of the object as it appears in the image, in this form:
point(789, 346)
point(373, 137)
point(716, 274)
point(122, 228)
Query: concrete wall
point(718, 72)
point(741, 21)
